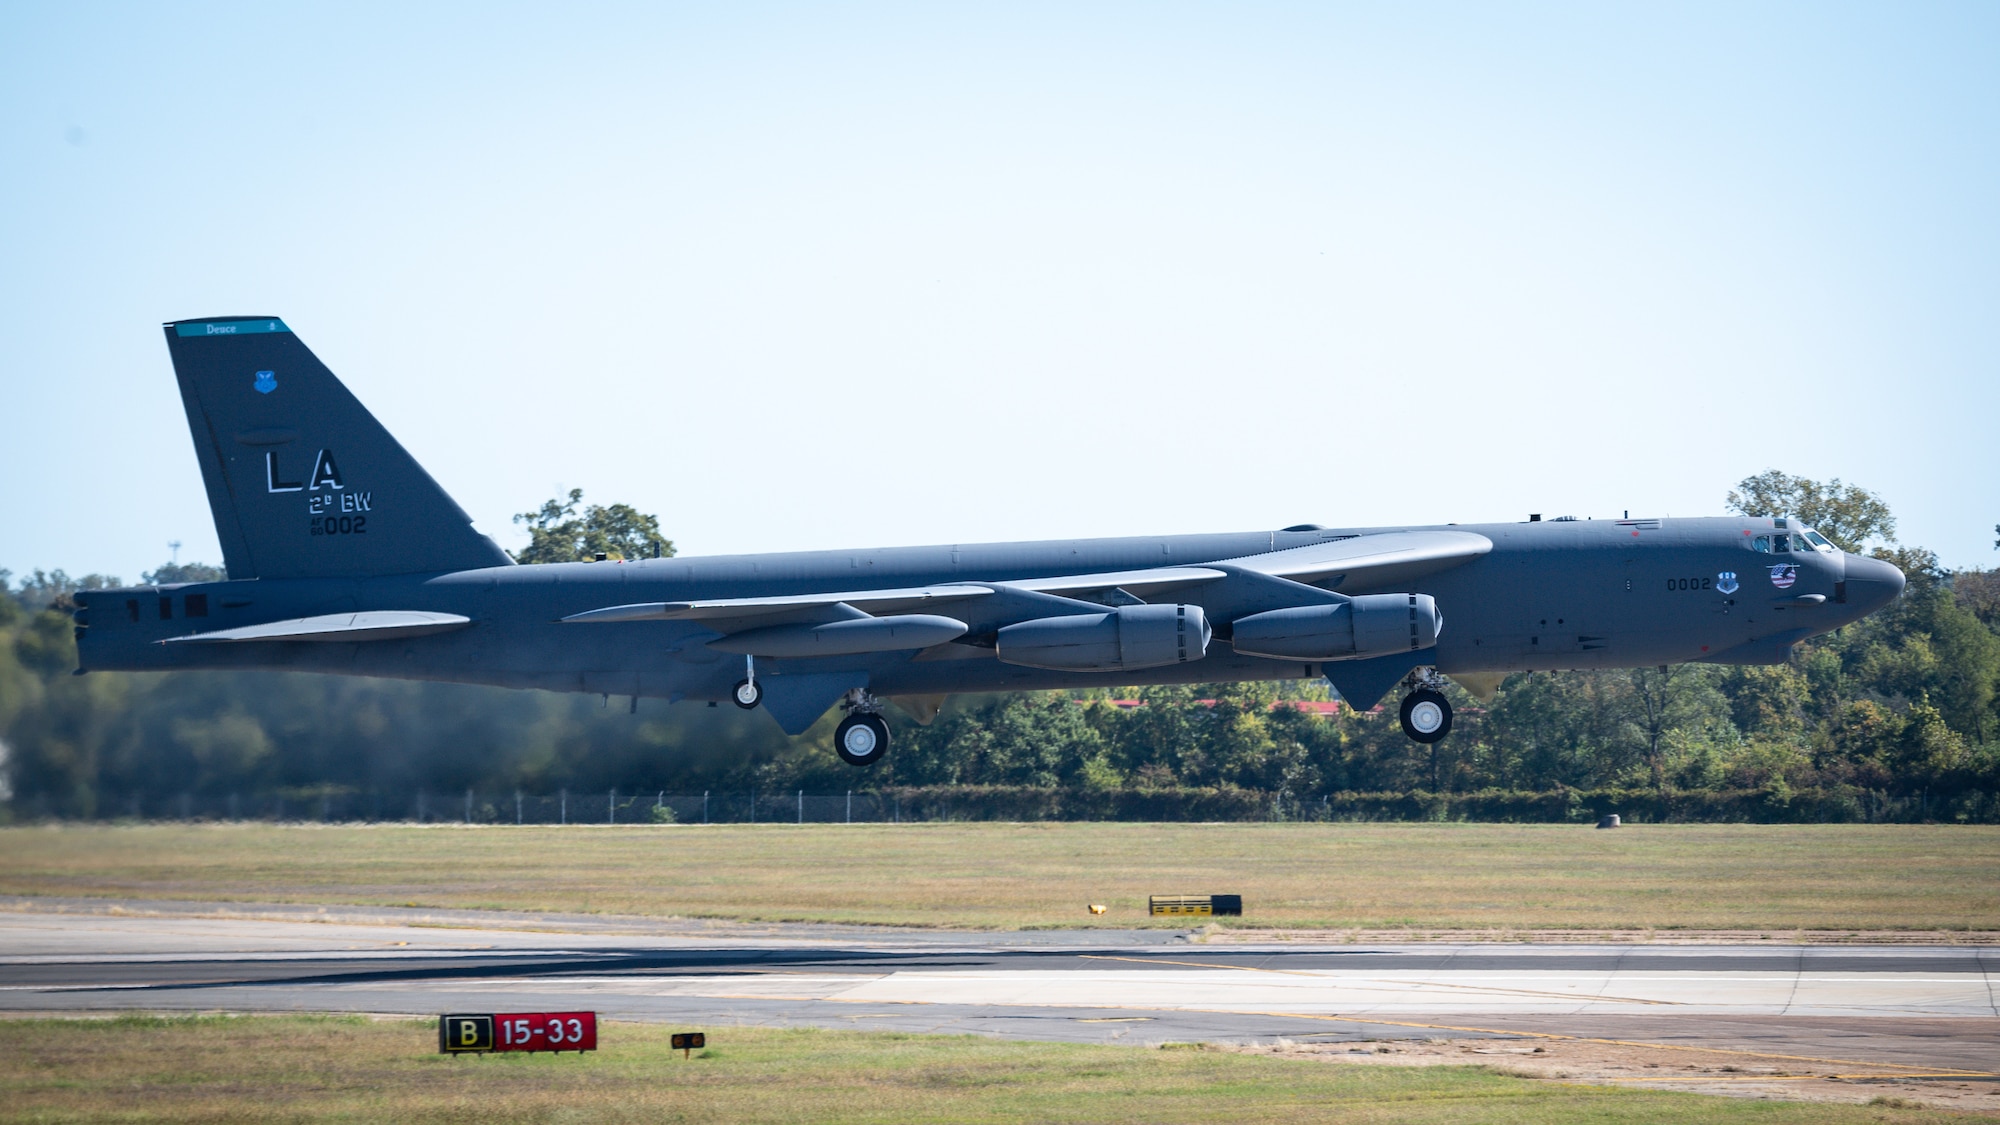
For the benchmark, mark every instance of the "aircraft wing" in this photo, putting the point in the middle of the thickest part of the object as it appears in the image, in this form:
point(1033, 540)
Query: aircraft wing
point(1136, 582)
point(874, 602)
point(1369, 560)
point(338, 628)
point(1358, 562)
point(1362, 561)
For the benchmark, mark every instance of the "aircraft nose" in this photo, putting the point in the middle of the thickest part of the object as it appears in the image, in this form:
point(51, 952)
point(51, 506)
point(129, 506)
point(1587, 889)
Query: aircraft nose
point(1871, 583)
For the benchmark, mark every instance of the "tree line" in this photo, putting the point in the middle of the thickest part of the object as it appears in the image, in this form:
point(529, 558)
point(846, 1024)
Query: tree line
point(1894, 716)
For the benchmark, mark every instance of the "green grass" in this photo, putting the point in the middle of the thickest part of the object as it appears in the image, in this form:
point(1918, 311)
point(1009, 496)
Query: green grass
point(1447, 876)
point(304, 1069)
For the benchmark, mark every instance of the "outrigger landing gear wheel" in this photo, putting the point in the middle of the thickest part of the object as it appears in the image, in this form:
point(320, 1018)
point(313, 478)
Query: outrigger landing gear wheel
point(861, 739)
point(746, 693)
point(1426, 715)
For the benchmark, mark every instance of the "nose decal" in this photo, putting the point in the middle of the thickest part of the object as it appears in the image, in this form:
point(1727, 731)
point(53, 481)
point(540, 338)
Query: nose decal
point(1784, 574)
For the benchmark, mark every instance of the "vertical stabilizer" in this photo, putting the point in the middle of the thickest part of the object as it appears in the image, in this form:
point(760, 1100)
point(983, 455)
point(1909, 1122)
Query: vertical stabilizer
point(303, 481)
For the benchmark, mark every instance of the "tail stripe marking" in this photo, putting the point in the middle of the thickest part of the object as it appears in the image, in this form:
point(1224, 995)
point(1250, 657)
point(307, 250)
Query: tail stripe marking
point(229, 327)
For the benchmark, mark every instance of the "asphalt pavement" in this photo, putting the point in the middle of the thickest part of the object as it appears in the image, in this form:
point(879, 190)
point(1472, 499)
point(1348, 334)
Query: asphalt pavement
point(1890, 1006)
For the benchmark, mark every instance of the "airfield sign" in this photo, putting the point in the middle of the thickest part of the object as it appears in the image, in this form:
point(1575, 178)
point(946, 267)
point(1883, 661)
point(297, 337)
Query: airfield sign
point(461, 1033)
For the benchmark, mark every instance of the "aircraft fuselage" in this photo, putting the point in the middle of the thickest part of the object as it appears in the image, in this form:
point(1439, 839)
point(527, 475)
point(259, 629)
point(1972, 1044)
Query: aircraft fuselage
point(345, 556)
point(1549, 595)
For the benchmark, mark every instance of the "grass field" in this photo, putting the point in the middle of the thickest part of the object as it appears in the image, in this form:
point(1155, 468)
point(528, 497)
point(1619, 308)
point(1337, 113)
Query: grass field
point(1442, 876)
point(305, 1069)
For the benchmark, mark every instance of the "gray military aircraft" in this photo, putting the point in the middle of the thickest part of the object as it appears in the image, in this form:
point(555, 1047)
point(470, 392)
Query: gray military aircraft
point(345, 556)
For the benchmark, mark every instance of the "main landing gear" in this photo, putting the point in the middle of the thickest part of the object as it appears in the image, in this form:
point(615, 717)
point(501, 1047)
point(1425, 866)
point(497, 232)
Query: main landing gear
point(1426, 712)
point(862, 737)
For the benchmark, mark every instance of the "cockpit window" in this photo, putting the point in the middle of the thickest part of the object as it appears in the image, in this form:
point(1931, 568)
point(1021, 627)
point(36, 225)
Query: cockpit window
point(1797, 542)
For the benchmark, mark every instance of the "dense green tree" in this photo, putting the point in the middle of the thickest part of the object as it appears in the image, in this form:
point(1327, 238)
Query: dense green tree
point(1037, 740)
point(1848, 514)
point(171, 572)
point(1679, 700)
point(40, 591)
point(1928, 649)
point(1978, 593)
point(558, 533)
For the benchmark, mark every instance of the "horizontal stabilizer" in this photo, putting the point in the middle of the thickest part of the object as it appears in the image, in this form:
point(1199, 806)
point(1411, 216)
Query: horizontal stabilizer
point(340, 628)
point(875, 601)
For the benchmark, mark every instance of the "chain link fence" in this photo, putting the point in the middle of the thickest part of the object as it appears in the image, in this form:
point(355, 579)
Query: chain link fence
point(471, 806)
point(1021, 803)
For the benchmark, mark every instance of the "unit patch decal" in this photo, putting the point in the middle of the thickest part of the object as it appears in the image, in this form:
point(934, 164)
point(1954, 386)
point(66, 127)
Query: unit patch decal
point(266, 382)
point(1726, 582)
point(1784, 574)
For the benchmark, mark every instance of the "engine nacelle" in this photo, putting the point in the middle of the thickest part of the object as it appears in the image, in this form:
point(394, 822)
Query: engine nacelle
point(1369, 625)
point(1124, 639)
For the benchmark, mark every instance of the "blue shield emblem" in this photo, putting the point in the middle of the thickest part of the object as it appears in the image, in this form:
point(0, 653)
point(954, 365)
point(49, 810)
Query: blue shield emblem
point(1726, 582)
point(266, 383)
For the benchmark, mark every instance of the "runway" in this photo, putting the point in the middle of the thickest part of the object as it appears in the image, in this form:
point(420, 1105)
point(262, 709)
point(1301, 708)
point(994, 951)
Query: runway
point(1901, 1010)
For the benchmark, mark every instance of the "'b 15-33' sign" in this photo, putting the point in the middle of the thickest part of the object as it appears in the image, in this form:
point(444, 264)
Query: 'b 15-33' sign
point(460, 1034)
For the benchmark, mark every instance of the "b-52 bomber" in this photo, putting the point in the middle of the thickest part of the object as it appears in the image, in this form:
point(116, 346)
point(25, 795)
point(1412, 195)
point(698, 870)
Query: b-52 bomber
point(344, 556)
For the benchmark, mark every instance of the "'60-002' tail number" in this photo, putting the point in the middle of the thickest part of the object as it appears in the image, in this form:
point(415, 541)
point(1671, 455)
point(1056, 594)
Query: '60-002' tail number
point(1690, 583)
point(340, 525)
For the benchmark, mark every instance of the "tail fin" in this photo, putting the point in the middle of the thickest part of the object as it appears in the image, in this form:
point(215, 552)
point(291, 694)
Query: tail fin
point(303, 481)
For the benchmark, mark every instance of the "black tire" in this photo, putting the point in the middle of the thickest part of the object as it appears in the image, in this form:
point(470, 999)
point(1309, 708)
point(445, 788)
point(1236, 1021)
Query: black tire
point(746, 695)
point(1426, 715)
point(861, 740)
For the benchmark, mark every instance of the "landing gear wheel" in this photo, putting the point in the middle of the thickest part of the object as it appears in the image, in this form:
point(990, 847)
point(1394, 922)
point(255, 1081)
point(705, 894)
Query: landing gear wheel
point(861, 739)
point(1426, 715)
point(747, 695)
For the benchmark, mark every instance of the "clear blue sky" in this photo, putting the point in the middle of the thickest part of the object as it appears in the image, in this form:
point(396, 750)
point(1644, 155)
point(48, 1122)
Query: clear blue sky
point(814, 276)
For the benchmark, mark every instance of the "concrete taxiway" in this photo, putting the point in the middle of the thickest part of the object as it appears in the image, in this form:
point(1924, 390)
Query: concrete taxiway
point(1899, 1011)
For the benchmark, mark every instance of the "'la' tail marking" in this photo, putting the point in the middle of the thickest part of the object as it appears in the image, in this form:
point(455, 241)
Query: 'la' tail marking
point(271, 481)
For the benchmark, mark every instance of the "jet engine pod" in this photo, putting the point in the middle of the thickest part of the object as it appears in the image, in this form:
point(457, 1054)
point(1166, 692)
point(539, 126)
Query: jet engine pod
point(1127, 638)
point(1369, 625)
